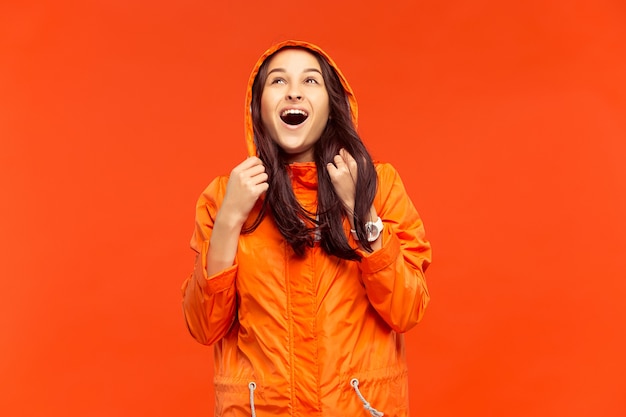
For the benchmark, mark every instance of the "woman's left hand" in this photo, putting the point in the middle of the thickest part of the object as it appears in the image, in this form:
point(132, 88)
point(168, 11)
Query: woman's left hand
point(343, 174)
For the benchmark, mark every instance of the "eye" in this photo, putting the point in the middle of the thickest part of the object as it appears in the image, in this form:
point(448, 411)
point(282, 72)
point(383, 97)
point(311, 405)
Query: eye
point(277, 80)
point(311, 80)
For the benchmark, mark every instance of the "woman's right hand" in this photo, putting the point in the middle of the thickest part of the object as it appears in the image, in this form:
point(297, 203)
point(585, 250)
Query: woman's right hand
point(246, 183)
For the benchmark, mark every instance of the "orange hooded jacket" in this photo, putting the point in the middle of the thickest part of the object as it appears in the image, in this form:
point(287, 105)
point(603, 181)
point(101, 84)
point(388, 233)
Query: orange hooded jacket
point(311, 336)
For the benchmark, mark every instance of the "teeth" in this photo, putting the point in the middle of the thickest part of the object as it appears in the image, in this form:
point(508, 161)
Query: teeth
point(294, 111)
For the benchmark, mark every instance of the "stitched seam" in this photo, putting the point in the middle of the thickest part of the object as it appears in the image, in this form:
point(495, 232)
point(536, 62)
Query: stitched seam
point(290, 353)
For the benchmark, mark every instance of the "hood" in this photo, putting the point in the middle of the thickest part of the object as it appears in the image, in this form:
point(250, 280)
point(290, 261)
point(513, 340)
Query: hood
point(248, 116)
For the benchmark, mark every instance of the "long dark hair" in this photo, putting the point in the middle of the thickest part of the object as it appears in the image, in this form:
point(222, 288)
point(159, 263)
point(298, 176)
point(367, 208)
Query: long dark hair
point(297, 225)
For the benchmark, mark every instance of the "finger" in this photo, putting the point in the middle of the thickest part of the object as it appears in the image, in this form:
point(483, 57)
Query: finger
point(255, 170)
point(259, 188)
point(345, 155)
point(348, 158)
point(333, 171)
point(249, 162)
point(255, 160)
point(260, 178)
point(263, 187)
point(346, 167)
point(340, 163)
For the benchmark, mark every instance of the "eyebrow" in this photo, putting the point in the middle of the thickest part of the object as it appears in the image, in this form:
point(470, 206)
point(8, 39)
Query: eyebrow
point(284, 70)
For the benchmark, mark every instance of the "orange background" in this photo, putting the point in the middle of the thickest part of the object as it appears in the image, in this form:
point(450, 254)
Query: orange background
point(506, 120)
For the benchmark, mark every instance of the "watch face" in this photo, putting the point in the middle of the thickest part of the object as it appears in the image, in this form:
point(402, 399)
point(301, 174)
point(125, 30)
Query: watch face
point(372, 231)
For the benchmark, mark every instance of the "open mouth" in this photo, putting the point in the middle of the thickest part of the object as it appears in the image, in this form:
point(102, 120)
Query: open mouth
point(294, 117)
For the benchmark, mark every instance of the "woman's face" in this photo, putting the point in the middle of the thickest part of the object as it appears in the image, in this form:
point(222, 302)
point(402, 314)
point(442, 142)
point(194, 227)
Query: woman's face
point(294, 103)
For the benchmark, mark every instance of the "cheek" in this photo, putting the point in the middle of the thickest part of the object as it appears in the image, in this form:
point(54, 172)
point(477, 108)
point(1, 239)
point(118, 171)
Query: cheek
point(324, 107)
point(266, 110)
point(323, 112)
point(327, 106)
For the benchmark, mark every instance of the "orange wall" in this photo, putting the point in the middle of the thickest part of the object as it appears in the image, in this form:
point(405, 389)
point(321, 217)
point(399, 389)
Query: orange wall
point(507, 121)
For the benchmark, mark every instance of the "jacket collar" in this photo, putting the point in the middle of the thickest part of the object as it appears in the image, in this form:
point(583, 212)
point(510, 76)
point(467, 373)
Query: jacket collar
point(304, 174)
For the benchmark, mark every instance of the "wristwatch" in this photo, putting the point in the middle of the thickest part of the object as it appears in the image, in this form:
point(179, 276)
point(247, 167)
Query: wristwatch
point(372, 230)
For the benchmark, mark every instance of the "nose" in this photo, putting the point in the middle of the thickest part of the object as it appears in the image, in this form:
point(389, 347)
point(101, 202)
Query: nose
point(294, 97)
point(294, 94)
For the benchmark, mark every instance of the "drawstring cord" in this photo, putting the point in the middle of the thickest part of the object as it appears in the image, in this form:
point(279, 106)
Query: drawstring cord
point(354, 382)
point(252, 387)
point(374, 412)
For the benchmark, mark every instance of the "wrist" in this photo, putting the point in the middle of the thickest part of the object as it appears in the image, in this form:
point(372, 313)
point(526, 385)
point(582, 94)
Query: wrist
point(373, 230)
point(229, 220)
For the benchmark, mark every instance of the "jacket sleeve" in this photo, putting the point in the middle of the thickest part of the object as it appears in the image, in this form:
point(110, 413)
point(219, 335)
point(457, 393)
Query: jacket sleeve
point(209, 303)
point(394, 275)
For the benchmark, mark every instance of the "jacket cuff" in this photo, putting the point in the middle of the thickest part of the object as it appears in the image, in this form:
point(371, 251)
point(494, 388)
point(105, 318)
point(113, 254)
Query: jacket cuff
point(382, 258)
point(219, 282)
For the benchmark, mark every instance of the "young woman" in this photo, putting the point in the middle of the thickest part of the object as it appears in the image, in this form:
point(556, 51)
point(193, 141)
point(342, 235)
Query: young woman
point(310, 256)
